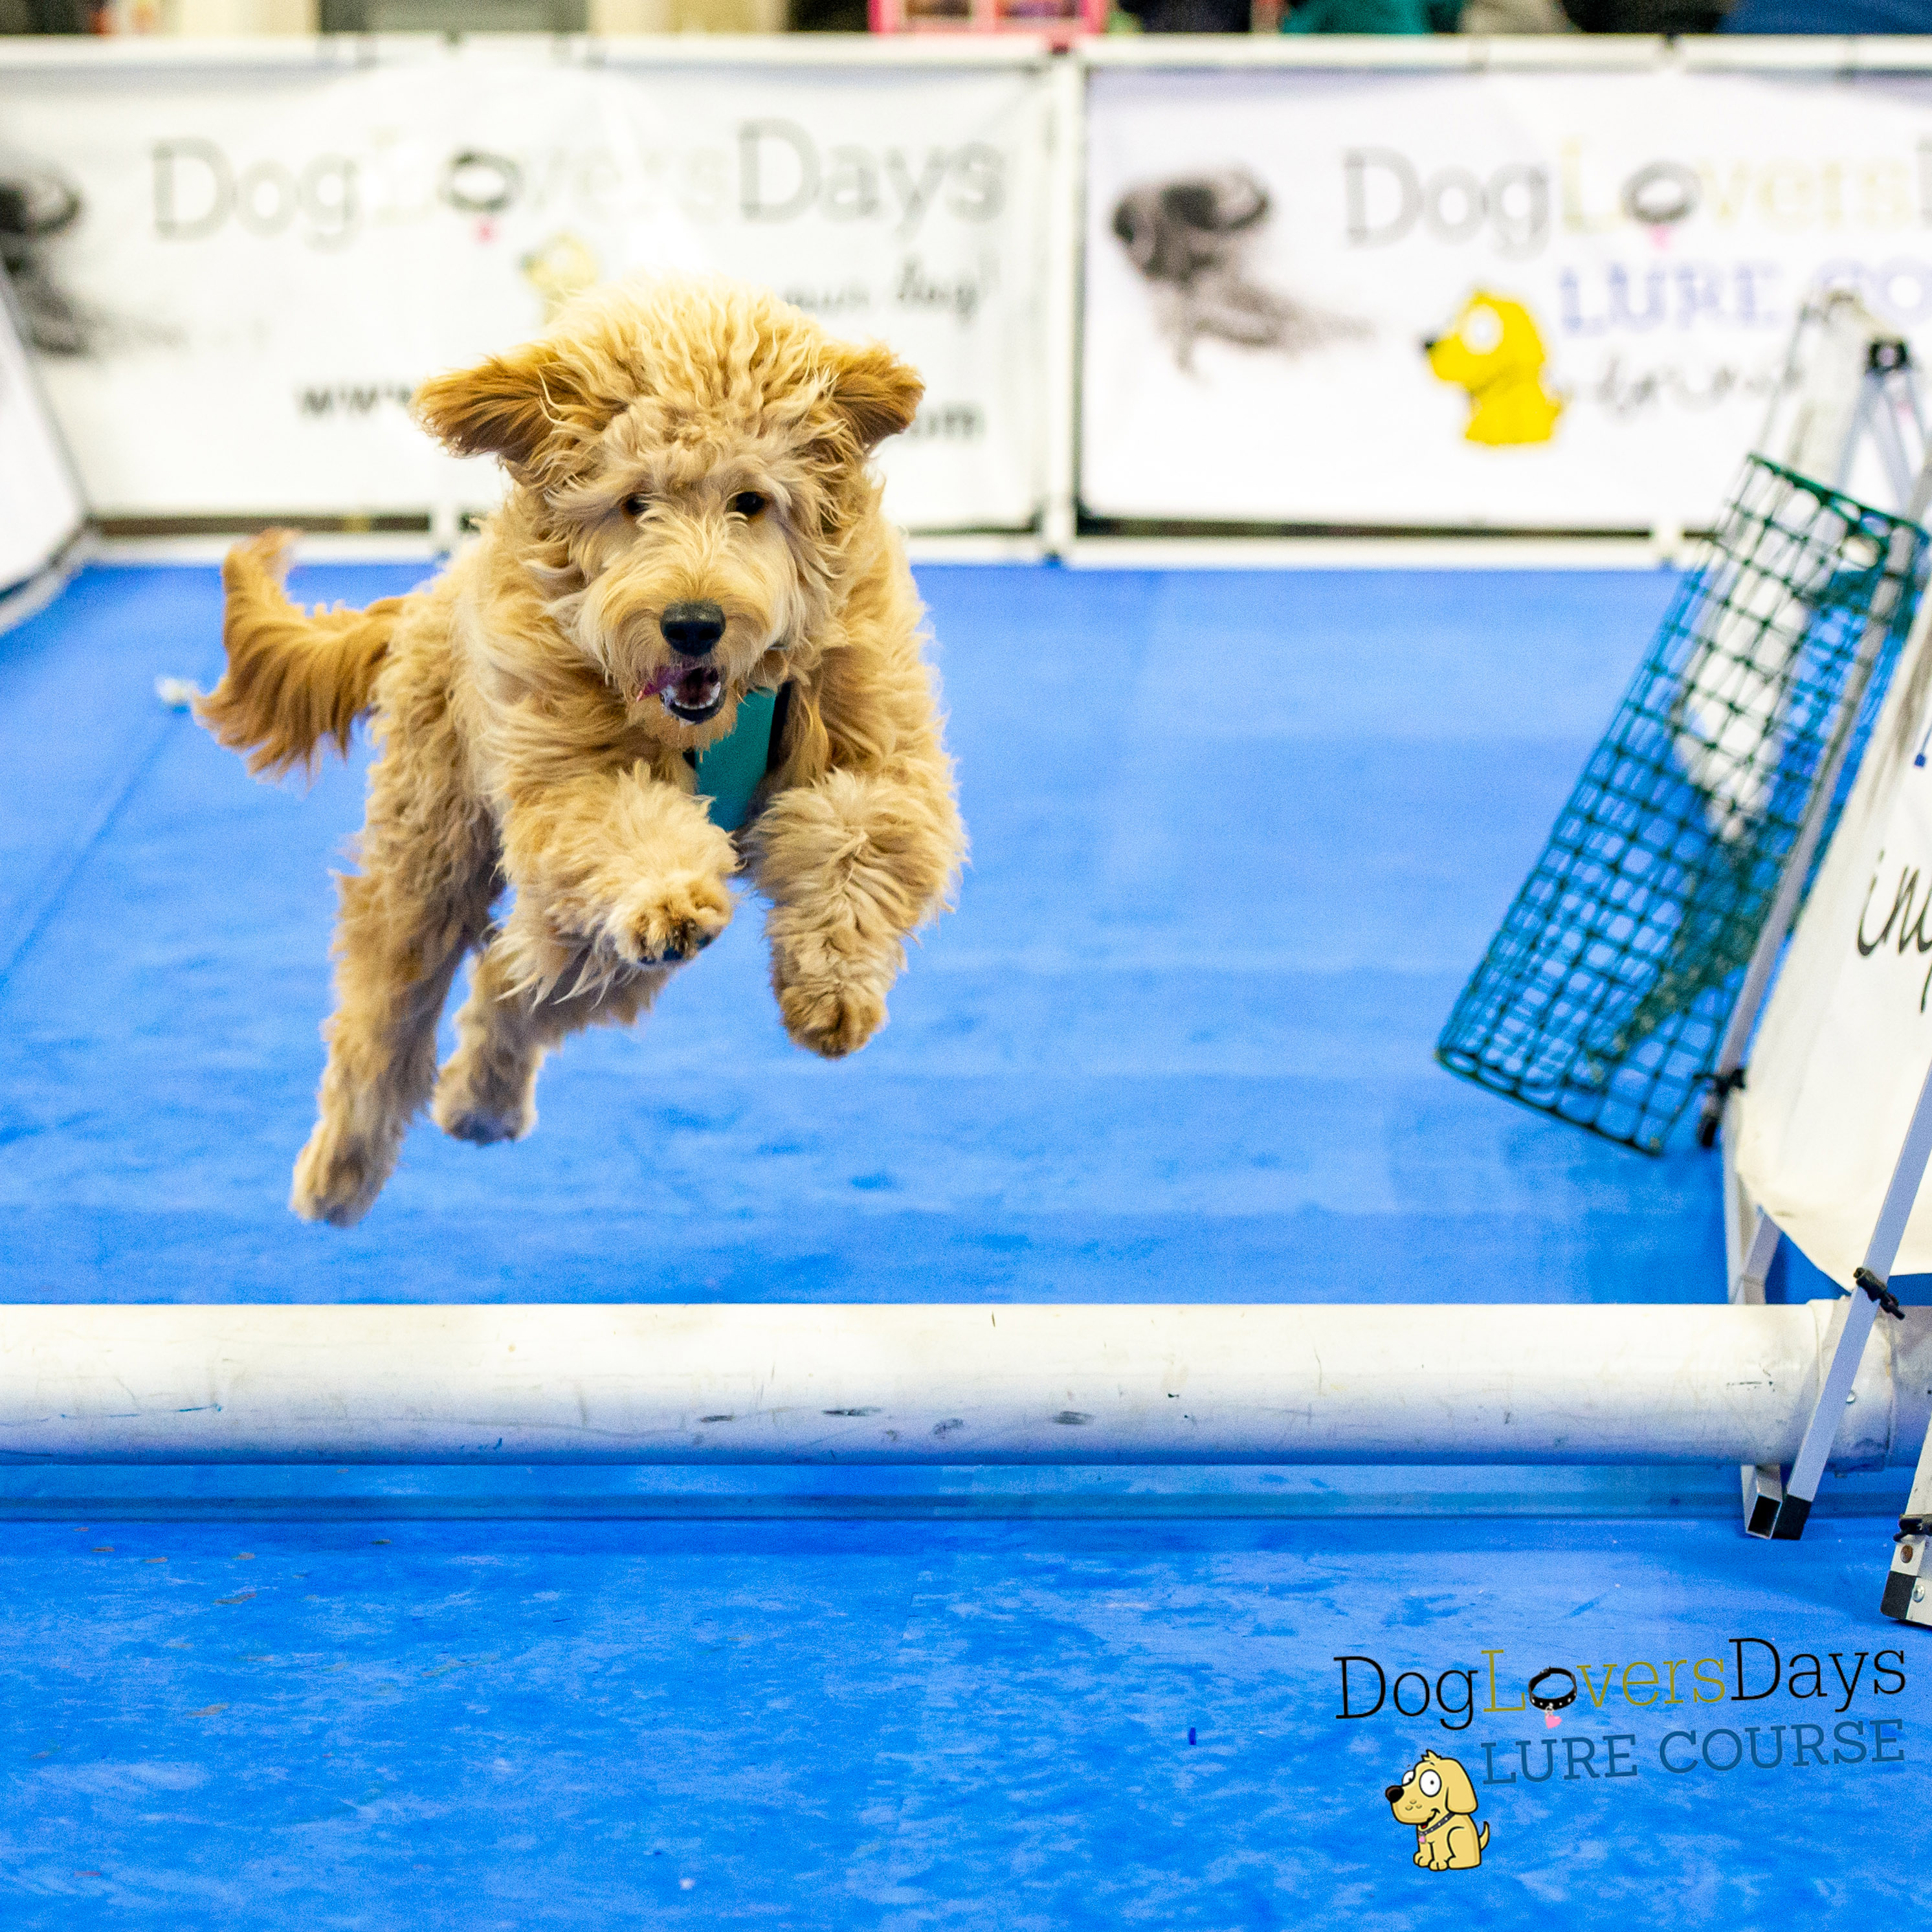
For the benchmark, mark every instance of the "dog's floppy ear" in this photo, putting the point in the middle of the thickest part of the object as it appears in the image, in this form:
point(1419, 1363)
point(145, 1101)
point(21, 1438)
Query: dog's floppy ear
point(875, 391)
point(1458, 1793)
point(510, 406)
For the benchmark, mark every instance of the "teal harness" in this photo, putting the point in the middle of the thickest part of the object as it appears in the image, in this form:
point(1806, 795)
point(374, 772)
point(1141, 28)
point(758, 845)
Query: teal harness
point(731, 771)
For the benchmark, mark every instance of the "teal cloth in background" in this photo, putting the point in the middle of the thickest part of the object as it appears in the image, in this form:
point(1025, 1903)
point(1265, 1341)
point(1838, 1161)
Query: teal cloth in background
point(1373, 17)
point(729, 771)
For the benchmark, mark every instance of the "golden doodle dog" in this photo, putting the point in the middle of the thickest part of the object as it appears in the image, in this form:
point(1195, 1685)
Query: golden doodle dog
point(1436, 1797)
point(692, 527)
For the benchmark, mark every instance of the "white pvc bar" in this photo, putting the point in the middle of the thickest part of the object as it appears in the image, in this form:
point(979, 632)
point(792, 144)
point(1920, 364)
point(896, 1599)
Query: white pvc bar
point(899, 1383)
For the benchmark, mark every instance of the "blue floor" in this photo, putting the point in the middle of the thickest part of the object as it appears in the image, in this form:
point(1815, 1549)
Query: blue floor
point(841, 1727)
point(1238, 840)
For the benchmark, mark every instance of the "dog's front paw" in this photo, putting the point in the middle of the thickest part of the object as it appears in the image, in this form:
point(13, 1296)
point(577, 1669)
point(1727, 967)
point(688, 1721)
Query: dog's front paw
point(831, 1017)
point(338, 1175)
point(831, 983)
point(669, 918)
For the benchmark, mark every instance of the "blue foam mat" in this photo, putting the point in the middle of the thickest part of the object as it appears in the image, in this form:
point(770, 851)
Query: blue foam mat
point(850, 1726)
point(1238, 839)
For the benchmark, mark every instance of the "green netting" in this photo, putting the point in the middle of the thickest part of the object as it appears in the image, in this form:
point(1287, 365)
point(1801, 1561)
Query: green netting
point(1603, 997)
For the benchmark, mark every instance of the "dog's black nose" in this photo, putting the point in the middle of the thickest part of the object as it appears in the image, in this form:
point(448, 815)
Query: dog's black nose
point(691, 629)
point(1392, 1792)
point(1428, 342)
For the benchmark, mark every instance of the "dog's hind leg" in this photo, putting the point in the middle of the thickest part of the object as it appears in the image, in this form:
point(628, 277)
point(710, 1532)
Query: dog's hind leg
point(396, 957)
point(487, 1090)
point(395, 962)
point(420, 901)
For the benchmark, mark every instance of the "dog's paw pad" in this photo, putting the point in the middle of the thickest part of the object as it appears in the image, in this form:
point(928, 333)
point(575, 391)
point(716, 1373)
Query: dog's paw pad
point(480, 1127)
point(483, 1103)
point(671, 920)
point(686, 942)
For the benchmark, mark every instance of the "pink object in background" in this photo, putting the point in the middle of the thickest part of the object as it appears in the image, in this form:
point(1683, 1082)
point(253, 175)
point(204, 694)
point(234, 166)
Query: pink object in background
point(1059, 21)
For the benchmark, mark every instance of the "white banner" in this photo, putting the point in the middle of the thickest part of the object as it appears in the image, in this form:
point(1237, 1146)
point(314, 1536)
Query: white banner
point(269, 258)
point(1846, 1037)
point(1545, 300)
point(40, 508)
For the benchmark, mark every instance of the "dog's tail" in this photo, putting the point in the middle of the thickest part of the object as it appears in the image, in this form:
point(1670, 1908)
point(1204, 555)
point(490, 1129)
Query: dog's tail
point(1483, 1839)
point(293, 678)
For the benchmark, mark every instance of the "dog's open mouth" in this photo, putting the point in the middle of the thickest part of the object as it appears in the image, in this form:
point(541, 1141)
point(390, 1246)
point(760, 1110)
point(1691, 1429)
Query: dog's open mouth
point(695, 694)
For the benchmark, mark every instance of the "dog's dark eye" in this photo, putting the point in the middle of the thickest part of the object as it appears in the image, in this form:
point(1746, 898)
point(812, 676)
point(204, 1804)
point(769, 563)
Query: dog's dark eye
point(748, 503)
point(637, 504)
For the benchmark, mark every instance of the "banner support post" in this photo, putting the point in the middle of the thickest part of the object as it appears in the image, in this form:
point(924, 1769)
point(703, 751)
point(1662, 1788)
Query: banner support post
point(1065, 253)
point(1749, 1257)
point(1772, 1506)
point(1801, 1487)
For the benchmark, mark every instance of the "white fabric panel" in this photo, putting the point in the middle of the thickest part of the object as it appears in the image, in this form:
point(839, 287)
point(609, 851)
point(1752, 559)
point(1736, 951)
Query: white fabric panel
point(1656, 231)
point(1846, 1037)
point(270, 258)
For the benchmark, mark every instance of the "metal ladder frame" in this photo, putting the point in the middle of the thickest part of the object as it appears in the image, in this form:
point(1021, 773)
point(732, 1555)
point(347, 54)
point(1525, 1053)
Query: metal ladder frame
point(1777, 1503)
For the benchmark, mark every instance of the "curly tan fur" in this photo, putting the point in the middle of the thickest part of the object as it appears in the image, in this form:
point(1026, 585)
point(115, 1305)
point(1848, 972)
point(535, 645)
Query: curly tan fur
point(294, 677)
point(668, 442)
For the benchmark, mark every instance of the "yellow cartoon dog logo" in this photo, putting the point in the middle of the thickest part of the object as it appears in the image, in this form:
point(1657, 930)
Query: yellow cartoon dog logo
point(1436, 1797)
point(1495, 352)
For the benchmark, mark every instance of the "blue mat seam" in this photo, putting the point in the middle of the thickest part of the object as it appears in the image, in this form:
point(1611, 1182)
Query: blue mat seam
point(68, 866)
